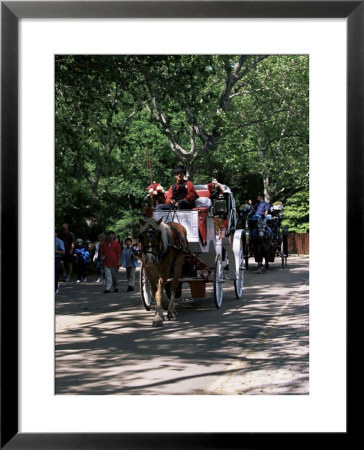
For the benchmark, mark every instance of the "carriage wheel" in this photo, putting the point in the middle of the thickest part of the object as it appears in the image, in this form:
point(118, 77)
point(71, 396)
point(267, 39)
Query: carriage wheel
point(218, 282)
point(239, 262)
point(246, 253)
point(145, 291)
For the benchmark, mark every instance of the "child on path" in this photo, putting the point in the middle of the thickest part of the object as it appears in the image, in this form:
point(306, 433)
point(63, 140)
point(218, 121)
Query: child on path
point(129, 262)
point(110, 253)
point(82, 259)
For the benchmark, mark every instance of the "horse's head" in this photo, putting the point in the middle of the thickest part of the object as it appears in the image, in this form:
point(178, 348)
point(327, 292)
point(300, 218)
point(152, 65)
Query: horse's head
point(151, 238)
point(261, 229)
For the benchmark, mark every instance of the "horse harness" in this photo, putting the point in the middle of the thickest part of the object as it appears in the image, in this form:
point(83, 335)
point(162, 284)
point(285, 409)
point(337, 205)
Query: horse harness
point(149, 248)
point(178, 244)
point(192, 256)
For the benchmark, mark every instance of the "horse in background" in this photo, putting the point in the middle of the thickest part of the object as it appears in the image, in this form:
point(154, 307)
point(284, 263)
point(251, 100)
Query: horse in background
point(164, 248)
point(262, 244)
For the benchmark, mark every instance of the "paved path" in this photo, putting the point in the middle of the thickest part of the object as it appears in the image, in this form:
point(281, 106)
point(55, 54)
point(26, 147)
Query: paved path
point(105, 343)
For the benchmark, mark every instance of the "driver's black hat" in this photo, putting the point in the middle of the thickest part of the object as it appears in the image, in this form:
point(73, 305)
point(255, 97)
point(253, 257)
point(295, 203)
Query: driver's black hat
point(179, 169)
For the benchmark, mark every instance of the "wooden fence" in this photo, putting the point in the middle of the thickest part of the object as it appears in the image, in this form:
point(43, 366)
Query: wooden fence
point(298, 243)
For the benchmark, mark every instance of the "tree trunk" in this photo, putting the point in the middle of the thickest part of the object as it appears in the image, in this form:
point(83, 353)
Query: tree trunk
point(131, 202)
point(189, 168)
point(267, 196)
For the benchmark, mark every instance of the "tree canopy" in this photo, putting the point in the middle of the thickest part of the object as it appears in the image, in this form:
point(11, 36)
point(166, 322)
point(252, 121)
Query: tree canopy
point(124, 121)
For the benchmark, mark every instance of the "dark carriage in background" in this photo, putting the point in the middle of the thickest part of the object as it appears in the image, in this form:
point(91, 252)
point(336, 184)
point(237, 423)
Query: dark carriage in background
point(279, 242)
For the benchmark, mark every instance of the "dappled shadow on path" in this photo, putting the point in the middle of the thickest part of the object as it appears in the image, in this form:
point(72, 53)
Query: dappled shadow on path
point(111, 347)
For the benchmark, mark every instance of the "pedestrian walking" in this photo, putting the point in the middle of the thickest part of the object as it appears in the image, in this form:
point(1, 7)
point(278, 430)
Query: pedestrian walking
point(82, 259)
point(59, 252)
point(68, 239)
point(110, 256)
point(97, 259)
point(130, 262)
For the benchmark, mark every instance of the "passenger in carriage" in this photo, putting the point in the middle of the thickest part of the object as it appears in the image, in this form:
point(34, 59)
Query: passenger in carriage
point(181, 195)
point(259, 210)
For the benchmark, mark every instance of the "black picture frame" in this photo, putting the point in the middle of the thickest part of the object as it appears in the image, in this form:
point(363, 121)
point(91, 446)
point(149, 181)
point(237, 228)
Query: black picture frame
point(11, 12)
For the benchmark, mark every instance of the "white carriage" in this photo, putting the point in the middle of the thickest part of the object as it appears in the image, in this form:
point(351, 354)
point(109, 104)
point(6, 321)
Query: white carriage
point(216, 246)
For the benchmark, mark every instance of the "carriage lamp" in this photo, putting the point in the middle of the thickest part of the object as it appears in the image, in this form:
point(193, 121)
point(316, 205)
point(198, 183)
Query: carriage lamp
point(220, 206)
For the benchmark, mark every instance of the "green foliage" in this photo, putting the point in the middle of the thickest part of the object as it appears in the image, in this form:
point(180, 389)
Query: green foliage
point(125, 121)
point(296, 213)
point(128, 225)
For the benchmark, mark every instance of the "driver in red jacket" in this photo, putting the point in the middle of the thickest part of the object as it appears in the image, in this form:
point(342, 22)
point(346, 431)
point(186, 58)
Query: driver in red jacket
point(181, 195)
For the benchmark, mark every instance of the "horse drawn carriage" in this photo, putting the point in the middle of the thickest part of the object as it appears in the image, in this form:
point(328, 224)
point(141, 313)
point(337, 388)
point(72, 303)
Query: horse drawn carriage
point(212, 252)
point(259, 242)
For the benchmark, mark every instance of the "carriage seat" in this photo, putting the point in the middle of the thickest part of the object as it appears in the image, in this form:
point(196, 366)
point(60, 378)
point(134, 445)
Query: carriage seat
point(203, 202)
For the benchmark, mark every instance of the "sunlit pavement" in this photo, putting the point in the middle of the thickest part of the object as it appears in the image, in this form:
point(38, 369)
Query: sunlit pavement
point(105, 343)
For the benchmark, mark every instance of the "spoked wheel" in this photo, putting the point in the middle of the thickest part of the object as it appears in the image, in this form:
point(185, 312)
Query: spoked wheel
point(145, 291)
point(239, 248)
point(218, 282)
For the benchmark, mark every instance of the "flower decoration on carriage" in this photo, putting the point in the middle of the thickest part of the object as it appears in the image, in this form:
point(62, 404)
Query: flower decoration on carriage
point(215, 188)
point(277, 209)
point(277, 206)
point(156, 194)
point(155, 190)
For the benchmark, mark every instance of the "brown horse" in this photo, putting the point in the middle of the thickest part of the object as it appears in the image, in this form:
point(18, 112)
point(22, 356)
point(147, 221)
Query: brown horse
point(164, 250)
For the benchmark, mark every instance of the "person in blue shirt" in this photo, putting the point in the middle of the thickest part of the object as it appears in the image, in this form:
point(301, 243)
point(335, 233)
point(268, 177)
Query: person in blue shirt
point(60, 250)
point(82, 259)
point(260, 210)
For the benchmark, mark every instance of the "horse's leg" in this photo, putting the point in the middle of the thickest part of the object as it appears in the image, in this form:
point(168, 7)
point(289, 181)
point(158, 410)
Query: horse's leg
point(176, 276)
point(165, 302)
point(152, 278)
point(154, 281)
point(159, 317)
point(267, 256)
point(171, 315)
point(259, 266)
point(259, 259)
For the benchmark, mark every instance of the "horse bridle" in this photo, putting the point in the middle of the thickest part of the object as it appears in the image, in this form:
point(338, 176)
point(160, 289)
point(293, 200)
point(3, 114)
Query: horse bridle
point(261, 227)
point(151, 233)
